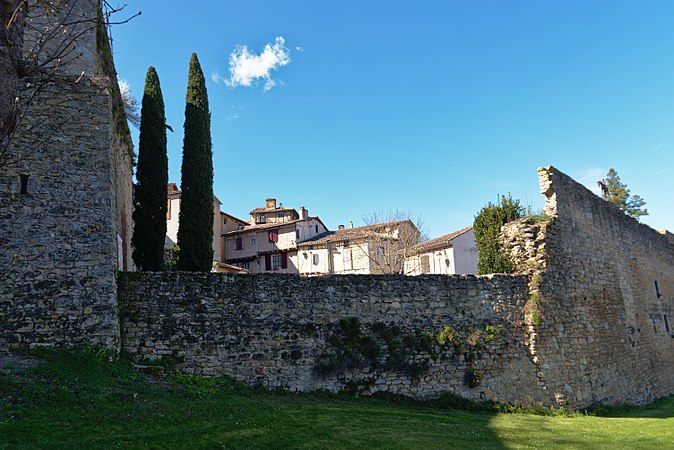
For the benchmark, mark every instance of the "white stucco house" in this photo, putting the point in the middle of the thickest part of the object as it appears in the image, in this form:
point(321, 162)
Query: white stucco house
point(372, 249)
point(222, 223)
point(453, 253)
point(268, 242)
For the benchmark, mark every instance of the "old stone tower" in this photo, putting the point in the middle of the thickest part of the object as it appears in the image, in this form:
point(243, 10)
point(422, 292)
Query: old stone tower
point(65, 188)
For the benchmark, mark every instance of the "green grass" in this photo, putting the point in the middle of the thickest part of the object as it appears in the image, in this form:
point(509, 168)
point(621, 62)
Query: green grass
point(77, 400)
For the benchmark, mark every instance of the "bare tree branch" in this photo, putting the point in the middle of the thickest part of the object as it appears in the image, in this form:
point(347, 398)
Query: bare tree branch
point(51, 30)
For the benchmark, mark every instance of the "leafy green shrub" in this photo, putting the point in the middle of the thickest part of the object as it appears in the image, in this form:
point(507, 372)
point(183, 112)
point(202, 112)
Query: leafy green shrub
point(487, 227)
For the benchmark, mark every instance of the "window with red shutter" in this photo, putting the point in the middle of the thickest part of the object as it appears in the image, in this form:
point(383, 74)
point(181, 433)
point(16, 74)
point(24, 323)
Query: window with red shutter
point(273, 236)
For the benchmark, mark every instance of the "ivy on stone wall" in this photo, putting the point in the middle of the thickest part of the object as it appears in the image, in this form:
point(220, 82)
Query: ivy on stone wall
point(373, 349)
point(369, 350)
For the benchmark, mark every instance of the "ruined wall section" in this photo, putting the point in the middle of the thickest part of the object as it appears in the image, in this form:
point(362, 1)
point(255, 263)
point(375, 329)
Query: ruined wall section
point(58, 246)
point(606, 331)
point(281, 331)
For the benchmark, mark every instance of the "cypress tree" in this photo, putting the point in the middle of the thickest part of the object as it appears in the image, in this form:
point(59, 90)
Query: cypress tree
point(195, 232)
point(149, 215)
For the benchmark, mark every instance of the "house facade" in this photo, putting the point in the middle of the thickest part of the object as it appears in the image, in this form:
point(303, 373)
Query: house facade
point(222, 223)
point(453, 253)
point(268, 243)
point(372, 249)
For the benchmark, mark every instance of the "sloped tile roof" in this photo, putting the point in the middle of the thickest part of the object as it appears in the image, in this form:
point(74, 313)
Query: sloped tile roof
point(348, 234)
point(440, 241)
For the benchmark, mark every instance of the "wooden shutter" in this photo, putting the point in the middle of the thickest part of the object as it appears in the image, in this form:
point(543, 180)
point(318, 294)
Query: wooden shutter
point(425, 264)
point(267, 262)
point(284, 260)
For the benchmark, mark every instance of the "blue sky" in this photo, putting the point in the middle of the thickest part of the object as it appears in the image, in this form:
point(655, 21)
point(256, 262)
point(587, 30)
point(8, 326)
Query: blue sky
point(434, 107)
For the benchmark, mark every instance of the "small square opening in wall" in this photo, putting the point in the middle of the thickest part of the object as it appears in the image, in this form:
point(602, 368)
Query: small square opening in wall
point(23, 183)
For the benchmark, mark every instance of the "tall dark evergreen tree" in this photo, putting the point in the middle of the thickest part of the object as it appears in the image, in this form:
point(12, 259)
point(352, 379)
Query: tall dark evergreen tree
point(149, 215)
point(195, 232)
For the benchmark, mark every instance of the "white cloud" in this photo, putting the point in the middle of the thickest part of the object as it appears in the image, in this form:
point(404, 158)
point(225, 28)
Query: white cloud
point(245, 68)
point(216, 77)
point(299, 49)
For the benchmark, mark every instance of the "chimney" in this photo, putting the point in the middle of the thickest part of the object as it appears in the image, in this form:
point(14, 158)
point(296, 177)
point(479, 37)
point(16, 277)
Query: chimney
point(304, 213)
point(270, 203)
point(350, 223)
point(340, 227)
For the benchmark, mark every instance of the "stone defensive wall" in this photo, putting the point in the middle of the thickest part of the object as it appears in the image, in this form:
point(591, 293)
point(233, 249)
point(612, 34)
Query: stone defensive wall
point(604, 287)
point(588, 320)
point(300, 333)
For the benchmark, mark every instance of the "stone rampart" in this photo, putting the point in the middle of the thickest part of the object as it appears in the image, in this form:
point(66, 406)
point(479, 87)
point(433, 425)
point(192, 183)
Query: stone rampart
point(605, 333)
point(590, 321)
point(286, 331)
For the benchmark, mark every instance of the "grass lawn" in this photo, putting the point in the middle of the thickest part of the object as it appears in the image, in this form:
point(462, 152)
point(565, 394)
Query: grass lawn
point(76, 400)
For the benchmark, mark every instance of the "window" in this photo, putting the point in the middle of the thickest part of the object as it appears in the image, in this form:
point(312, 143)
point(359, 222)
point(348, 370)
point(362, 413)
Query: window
point(346, 255)
point(277, 261)
point(316, 229)
point(224, 220)
point(239, 244)
point(315, 259)
point(252, 242)
point(260, 218)
point(23, 183)
point(273, 236)
point(297, 234)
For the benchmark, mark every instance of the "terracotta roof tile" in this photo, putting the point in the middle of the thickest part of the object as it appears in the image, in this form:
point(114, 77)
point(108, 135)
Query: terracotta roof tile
point(348, 234)
point(441, 240)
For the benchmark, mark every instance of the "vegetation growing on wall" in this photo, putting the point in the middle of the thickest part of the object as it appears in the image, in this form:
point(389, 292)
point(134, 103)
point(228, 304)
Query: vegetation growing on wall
point(487, 227)
point(106, 61)
point(370, 350)
point(468, 345)
point(373, 349)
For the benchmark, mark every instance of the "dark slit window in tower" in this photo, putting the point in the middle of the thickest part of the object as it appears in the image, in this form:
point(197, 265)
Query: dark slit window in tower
point(23, 183)
point(666, 323)
point(657, 290)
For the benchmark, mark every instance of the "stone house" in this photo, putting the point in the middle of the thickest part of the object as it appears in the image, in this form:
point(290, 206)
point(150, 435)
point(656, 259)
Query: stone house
point(453, 253)
point(268, 243)
point(372, 249)
point(222, 223)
